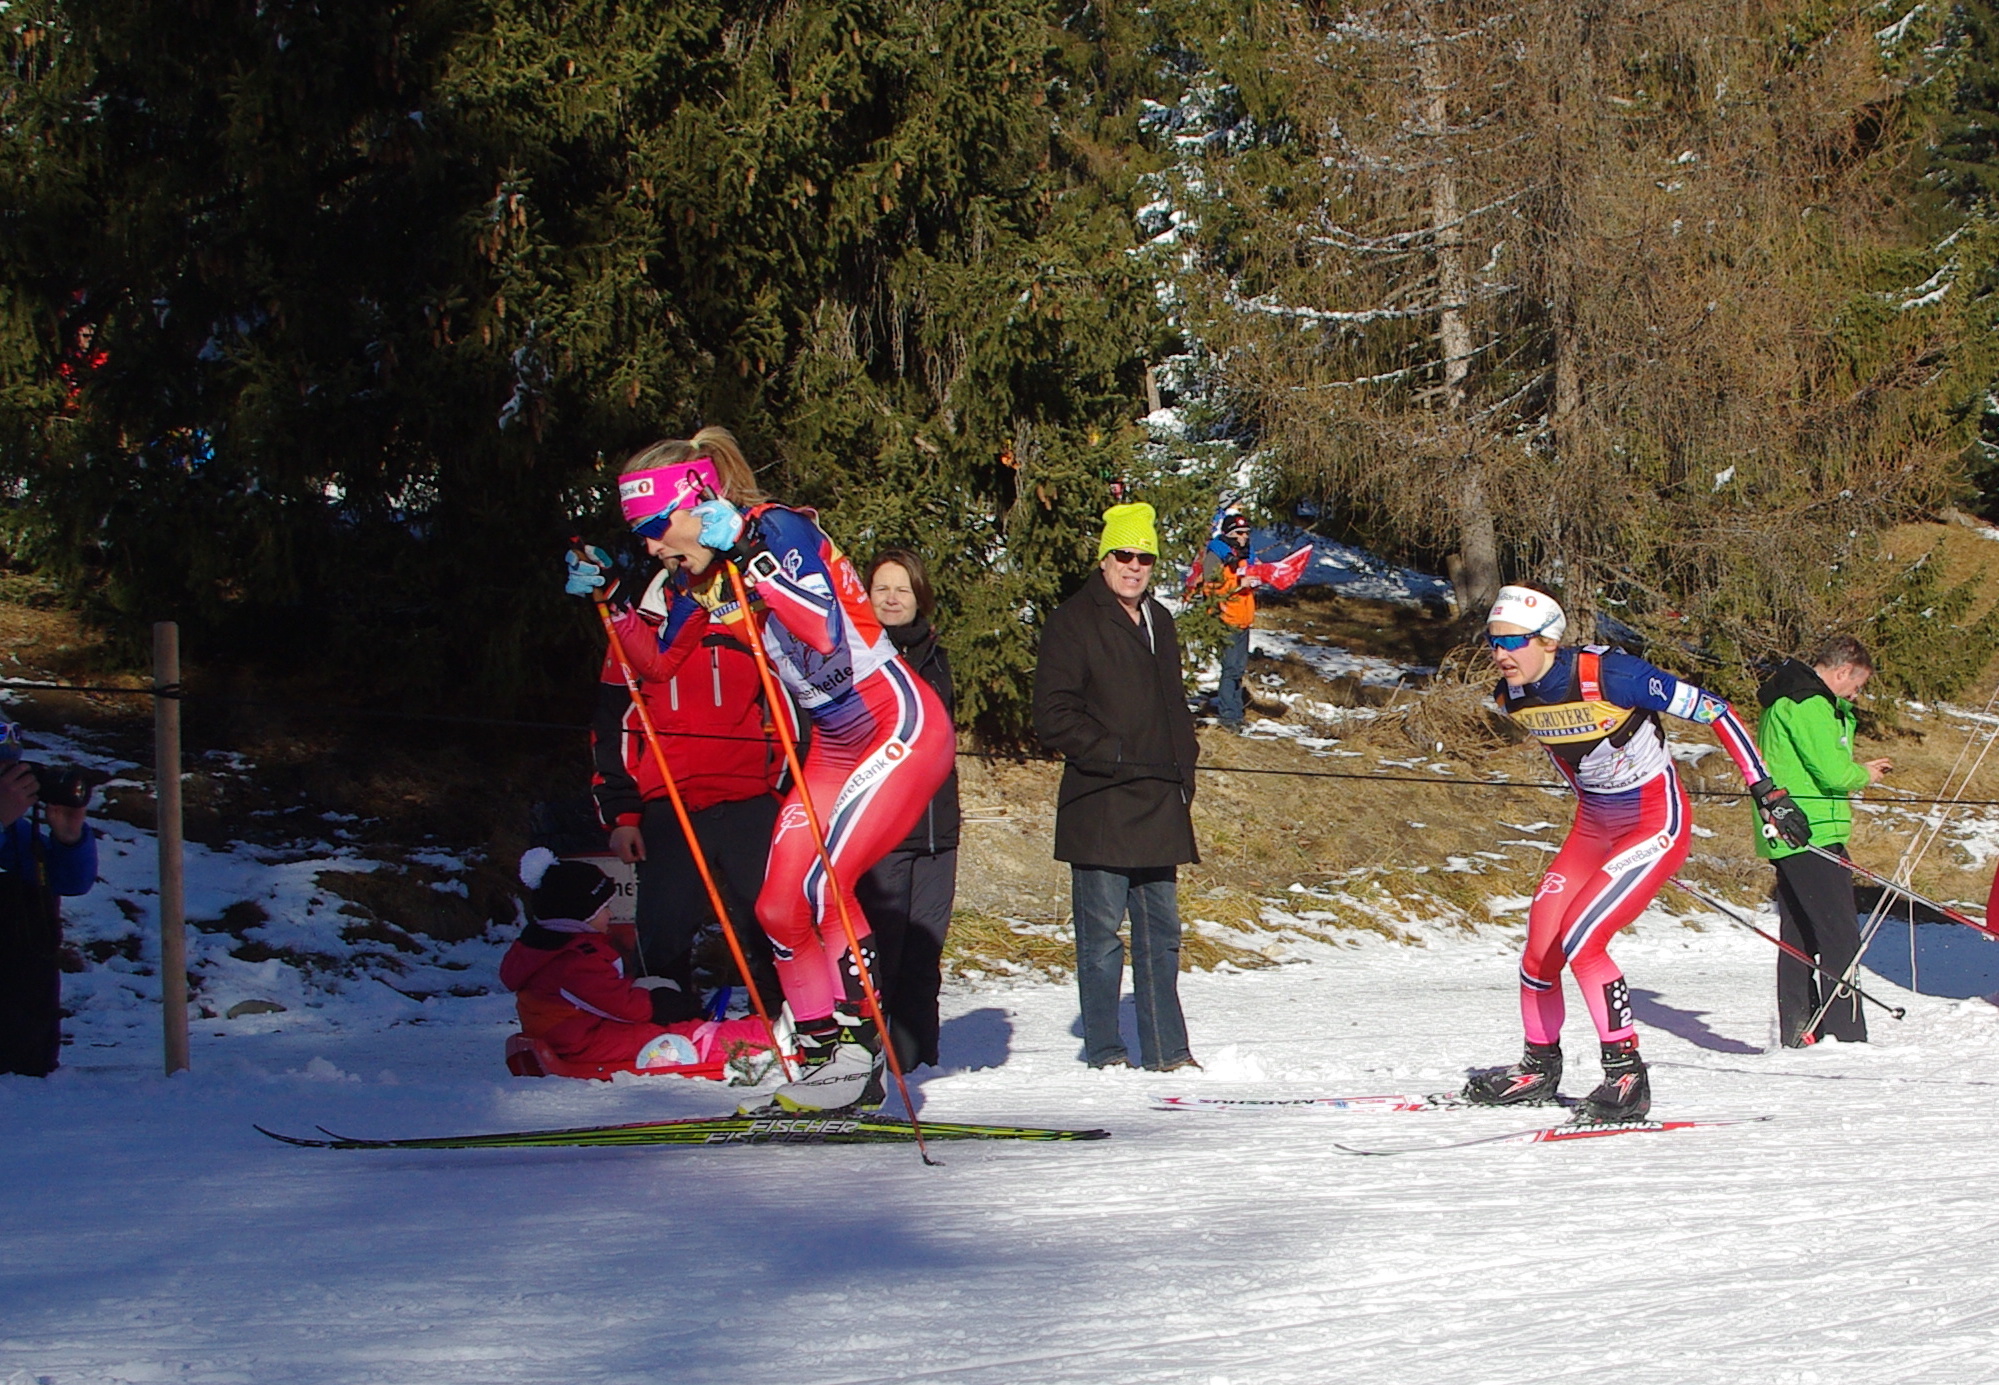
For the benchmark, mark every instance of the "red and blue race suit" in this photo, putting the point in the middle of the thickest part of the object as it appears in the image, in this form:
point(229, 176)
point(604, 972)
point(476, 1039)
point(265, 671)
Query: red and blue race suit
point(882, 744)
point(1596, 712)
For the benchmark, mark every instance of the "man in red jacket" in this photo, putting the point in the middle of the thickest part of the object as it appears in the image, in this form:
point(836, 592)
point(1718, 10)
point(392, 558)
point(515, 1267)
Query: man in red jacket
point(700, 686)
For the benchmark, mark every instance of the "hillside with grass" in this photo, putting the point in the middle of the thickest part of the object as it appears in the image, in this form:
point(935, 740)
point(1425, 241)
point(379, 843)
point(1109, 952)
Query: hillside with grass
point(1358, 804)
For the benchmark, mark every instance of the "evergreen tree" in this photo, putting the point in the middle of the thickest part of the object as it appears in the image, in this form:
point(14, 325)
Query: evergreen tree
point(323, 325)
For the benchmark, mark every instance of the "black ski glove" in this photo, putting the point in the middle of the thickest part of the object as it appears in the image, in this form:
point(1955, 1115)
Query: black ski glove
point(670, 1004)
point(1778, 810)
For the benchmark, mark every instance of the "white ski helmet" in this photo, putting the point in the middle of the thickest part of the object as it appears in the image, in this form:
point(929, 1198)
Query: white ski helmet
point(1535, 612)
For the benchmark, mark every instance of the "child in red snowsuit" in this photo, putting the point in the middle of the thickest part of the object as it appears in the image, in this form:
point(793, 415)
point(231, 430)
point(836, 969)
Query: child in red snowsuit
point(570, 988)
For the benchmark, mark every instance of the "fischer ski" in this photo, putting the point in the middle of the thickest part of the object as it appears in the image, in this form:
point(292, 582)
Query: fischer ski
point(853, 1128)
point(1549, 1134)
point(1429, 1101)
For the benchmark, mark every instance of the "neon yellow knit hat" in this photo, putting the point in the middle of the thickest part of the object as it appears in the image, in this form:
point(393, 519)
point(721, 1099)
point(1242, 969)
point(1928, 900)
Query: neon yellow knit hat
point(1130, 527)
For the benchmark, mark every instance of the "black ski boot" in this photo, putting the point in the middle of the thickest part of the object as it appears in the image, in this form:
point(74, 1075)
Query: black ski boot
point(1530, 1082)
point(1625, 1093)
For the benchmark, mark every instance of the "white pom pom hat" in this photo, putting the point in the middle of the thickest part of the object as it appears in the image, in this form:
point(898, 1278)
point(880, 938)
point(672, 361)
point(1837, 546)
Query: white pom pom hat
point(1535, 612)
point(535, 864)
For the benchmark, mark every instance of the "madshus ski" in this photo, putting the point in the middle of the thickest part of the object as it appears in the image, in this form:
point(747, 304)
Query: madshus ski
point(1427, 1101)
point(849, 1128)
point(1549, 1134)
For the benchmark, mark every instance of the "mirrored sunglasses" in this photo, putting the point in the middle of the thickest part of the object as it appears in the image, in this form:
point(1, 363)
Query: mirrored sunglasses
point(655, 527)
point(1129, 556)
point(1510, 643)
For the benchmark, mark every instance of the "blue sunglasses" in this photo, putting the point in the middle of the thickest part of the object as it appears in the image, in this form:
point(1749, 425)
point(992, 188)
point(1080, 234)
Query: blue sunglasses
point(655, 527)
point(1510, 643)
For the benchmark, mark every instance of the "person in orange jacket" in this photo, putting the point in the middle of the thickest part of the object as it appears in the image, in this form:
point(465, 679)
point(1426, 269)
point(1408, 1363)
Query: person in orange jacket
point(1226, 574)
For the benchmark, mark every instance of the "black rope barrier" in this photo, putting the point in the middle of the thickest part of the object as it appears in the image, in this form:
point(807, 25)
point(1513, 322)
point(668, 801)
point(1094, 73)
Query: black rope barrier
point(176, 690)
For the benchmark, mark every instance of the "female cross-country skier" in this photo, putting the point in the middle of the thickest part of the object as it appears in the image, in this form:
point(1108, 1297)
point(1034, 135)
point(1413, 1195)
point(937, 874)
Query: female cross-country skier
point(881, 746)
point(1596, 712)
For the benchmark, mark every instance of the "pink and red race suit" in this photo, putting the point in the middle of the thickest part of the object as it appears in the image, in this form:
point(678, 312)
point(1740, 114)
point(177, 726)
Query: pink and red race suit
point(1596, 712)
point(882, 744)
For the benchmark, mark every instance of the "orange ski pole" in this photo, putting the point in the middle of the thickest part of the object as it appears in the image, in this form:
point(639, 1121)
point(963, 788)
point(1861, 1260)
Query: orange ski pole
point(693, 842)
point(791, 759)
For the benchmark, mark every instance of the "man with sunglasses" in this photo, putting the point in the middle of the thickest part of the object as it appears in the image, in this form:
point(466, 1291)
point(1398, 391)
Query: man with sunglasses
point(1109, 695)
point(1596, 712)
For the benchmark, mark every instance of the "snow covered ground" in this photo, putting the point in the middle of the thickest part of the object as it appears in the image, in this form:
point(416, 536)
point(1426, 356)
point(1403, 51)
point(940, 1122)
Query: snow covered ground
point(147, 1233)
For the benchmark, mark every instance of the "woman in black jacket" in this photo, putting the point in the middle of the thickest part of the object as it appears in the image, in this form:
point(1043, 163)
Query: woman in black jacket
point(908, 894)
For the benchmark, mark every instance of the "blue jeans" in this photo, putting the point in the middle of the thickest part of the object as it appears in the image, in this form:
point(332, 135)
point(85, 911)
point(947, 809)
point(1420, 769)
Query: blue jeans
point(1102, 898)
point(1235, 663)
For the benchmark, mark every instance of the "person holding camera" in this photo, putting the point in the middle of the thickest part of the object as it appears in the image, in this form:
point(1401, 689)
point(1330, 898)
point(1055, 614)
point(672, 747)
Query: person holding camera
point(35, 868)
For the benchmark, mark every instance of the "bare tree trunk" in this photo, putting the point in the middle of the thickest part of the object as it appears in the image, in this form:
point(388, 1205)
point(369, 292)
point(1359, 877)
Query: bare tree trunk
point(1479, 546)
point(1477, 542)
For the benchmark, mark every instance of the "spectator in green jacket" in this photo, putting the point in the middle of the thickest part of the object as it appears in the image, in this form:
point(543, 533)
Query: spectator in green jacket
point(1806, 736)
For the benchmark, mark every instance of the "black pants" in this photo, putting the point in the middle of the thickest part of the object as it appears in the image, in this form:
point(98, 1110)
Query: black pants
point(673, 904)
point(907, 898)
point(1817, 913)
point(30, 984)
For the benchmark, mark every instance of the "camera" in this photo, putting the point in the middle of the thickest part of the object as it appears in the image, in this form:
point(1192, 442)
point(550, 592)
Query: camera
point(63, 786)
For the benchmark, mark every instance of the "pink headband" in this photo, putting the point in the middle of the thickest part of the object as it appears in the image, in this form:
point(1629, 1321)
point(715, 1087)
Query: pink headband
point(646, 495)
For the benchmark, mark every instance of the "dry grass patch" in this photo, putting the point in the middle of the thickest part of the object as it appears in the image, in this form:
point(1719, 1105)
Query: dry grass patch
point(981, 944)
point(394, 902)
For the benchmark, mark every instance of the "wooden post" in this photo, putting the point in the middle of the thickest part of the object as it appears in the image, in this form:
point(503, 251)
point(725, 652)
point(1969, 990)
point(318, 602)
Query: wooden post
point(167, 817)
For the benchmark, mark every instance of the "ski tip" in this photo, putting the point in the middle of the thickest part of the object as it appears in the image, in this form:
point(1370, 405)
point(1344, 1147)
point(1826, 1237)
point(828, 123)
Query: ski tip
point(289, 1139)
point(341, 1141)
point(1365, 1153)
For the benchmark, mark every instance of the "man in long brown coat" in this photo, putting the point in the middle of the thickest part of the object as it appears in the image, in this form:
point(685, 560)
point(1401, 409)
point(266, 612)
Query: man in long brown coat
point(1108, 695)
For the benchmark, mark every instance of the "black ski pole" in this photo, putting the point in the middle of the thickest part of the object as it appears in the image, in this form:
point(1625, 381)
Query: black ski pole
point(1888, 883)
point(1805, 957)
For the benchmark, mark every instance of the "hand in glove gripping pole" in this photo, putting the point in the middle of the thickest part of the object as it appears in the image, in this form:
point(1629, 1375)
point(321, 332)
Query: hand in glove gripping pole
point(1785, 818)
point(726, 529)
point(589, 569)
point(721, 524)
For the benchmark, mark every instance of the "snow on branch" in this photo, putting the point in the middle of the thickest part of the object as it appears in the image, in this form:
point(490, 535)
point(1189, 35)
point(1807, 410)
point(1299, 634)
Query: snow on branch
point(1352, 240)
point(1931, 290)
point(1362, 318)
point(1892, 35)
point(1391, 376)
